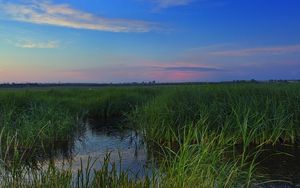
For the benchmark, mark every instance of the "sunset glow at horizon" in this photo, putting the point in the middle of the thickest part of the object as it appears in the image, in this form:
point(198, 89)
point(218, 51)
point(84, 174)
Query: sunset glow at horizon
point(117, 41)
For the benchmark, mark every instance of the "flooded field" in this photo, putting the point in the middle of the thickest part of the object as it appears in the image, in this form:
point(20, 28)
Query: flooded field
point(239, 135)
point(125, 147)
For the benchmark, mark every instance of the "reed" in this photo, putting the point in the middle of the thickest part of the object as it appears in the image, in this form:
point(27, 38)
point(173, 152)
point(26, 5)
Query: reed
point(204, 136)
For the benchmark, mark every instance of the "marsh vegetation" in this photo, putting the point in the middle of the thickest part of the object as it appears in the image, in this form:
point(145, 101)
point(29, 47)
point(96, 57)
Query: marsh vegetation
point(217, 135)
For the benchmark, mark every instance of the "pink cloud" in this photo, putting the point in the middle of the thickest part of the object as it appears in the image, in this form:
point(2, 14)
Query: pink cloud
point(26, 74)
point(139, 73)
point(176, 76)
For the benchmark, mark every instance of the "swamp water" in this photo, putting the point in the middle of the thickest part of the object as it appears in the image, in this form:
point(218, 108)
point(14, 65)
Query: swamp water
point(127, 149)
point(282, 163)
point(97, 141)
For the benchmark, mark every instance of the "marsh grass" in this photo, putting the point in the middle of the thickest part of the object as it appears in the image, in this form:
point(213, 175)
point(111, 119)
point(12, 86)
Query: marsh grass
point(204, 136)
point(46, 116)
point(215, 134)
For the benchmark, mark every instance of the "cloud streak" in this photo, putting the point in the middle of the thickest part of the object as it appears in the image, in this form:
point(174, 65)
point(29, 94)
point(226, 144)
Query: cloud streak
point(277, 50)
point(171, 3)
point(191, 69)
point(45, 12)
point(173, 72)
point(38, 45)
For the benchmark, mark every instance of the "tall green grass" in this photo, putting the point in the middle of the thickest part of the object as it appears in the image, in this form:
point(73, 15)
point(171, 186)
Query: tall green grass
point(43, 116)
point(217, 132)
point(203, 136)
point(272, 111)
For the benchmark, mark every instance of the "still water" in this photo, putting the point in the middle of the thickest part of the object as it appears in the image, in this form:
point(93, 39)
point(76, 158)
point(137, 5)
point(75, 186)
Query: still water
point(95, 141)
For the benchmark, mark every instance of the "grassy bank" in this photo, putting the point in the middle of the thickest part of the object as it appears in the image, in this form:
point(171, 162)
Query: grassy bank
point(204, 136)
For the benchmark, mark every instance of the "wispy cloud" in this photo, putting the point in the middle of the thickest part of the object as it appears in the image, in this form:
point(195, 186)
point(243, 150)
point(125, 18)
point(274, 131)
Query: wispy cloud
point(171, 3)
point(191, 69)
point(46, 12)
point(164, 4)
point(40, 45)
point(275, 50)
point(159, 71)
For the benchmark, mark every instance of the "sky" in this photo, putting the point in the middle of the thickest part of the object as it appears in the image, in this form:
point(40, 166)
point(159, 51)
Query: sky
point(114, 41)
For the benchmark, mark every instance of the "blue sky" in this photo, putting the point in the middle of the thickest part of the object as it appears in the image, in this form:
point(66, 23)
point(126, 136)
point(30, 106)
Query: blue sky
point(144, 40)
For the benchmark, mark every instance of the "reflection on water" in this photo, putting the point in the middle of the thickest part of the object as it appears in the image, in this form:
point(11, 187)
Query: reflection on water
point(96, 140)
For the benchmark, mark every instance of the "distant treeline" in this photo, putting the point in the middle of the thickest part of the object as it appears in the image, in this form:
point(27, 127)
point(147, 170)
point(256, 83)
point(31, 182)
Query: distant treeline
point(23, 85)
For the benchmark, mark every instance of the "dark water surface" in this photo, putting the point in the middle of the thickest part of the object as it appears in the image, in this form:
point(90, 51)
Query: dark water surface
point(281, 163)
